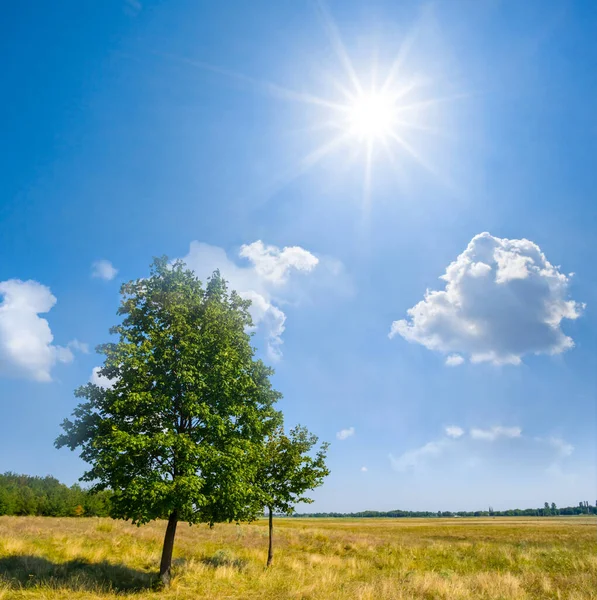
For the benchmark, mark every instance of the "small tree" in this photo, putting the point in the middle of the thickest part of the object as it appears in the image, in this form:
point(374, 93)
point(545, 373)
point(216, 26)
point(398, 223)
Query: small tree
point(546, 509)
point(178, 432)
point(554, 509)
point(287, 471)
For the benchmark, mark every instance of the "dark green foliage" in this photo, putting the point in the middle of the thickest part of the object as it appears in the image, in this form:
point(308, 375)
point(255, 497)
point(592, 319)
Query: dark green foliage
point(288, 470)
point(181, 427)
point(46, 496)
point(12, 496)
point(180, 432)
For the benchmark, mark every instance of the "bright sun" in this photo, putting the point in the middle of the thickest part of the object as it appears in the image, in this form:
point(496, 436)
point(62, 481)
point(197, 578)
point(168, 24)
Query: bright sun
point(371, 116)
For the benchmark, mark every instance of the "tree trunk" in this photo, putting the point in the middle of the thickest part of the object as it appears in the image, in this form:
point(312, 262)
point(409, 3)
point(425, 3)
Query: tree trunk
point(270, 550)
point(166, 563)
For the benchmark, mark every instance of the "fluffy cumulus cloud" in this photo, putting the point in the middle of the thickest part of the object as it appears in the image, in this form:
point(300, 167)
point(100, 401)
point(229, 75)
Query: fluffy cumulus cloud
point(273, 264)
point(344, 434)
point(503, 299)
point(472, 449)
point(26, 348)
point(265, 278)
point(103, 269)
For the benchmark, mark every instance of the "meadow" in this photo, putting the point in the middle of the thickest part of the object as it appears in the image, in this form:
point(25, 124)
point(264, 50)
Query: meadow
point(365, 559)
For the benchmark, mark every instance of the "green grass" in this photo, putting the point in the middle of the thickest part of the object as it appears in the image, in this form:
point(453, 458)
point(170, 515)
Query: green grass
point(368, 559)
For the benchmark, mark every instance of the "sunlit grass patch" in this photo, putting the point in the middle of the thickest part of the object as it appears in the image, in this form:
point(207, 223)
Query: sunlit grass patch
point(398, 559)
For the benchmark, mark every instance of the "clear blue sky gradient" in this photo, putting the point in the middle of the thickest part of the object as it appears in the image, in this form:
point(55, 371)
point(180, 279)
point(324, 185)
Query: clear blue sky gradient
point(120, 142)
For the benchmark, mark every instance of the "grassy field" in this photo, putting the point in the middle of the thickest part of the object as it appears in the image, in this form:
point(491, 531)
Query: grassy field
point(315, 559)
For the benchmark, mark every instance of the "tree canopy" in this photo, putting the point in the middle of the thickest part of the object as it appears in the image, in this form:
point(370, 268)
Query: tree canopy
point(46, 496)
point(287, 470)
point(178, 432)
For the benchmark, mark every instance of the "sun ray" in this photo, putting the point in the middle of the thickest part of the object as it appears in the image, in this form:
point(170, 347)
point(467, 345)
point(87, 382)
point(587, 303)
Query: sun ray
point(399, 61)
point(307, 162)
point(388, 150)
point(338, 45)
point(274, 89)
point(432, 101)
point(413, 153)
point(368, 177)
point(367, 114)
point(418, 127)
point(403, 91)
point(315, 156)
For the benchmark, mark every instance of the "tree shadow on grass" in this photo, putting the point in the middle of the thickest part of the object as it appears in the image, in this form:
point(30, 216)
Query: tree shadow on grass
point(18, 571)
point(222, 558)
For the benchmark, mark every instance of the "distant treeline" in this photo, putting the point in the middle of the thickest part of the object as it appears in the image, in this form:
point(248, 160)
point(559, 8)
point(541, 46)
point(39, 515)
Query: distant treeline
point(46, 496)
point(548, 510)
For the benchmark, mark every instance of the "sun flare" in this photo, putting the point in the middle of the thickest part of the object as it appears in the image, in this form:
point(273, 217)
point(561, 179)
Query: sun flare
point(371, 116)
point(381, 112)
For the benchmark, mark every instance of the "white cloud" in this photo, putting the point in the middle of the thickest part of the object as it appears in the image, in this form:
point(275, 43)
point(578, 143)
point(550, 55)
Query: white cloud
point(103, 269)
point(26, 348)
point(454, 360)
point(265, 281)
point(563, 448)
point(79, 346)
point(496, 432)
point(100, 380)
point(270, 318)
point(414, 458)
point(454, 431)
point(273, 264)
point(364, 469)
point(503, 299)
point(345, 433)
point(509, 446)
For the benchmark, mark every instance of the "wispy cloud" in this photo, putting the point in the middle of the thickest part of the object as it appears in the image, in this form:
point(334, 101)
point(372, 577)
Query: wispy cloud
point(414, 458)
point(454, 431)
point(496, 432)
point(345, 433)
point(488, 443)
point(103, 269)
point(563, 448)
point(79, 346)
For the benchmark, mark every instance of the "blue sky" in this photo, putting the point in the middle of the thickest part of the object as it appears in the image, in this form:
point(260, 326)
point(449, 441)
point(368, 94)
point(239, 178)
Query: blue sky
point(210, 131)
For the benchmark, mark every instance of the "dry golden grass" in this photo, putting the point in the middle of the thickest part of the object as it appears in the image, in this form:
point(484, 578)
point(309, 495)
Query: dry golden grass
point(455, 559)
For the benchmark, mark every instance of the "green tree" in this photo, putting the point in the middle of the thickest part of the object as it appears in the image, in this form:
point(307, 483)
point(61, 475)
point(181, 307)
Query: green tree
point(288, 469)
point(546, 509)
point(178, 433)
point(554, 509)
